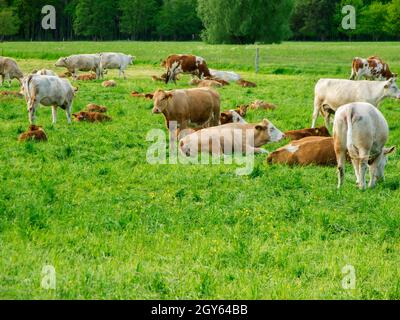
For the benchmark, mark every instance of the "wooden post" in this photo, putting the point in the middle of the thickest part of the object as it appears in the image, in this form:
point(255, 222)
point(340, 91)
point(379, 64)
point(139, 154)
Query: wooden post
point(257, 60)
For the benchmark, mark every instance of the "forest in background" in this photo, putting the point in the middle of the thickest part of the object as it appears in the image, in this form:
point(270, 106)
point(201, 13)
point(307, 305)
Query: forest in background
point(214, 21)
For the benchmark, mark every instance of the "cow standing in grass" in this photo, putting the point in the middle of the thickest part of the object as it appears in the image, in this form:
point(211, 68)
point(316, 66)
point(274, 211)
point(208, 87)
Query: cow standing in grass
point(81, 62)
point(373, 68)
point(9, 70)
point(48, 91)
point(177, 64)
point(112, 60)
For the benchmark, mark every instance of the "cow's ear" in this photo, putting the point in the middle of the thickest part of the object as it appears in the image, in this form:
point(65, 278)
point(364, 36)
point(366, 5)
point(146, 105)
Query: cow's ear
point(388, 151)
point(260, 127)
point(168, 96)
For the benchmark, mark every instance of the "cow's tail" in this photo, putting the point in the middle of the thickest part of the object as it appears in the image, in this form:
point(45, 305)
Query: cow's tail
point(26, 84)
point(349, 118)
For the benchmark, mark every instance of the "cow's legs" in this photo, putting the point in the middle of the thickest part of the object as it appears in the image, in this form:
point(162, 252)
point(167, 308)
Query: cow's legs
point(68, 112)
point(32, 105)
point(363, 166)
point(341, 159)
point(54, 114)
point(74, 74)
point(7, 79)
point(2, 80)
point(356, 166)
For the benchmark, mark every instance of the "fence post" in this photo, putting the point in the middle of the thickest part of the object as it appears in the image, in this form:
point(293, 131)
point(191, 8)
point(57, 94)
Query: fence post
point(257, 60)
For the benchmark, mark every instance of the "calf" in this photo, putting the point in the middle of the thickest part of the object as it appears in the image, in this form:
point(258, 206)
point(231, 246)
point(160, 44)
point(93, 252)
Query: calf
point(112, 60)
point(330, 94)
point(259, 104)
point(373, 68)
point(304, 152)
point(9, 70)
point(81, 62)
point(231, 116)
point(86, 77)
point(11, 93)
point(91, 107)
point(66, 74)
point(34, 133)
point(193, 108)
point(361, 130)
point(177, 64)
point(109, 84)
point(91, 117)
point(303, 133)
point(148, 96)
point(230, 139)
point(246, 84)
point(48, 91)
point(205, 83)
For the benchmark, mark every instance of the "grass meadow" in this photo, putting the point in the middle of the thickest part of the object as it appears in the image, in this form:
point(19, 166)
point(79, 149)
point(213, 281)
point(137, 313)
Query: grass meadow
point(115, 227)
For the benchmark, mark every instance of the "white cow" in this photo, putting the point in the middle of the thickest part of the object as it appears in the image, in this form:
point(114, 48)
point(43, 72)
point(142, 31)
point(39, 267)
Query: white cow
point(48, 91)
point(81, 62)
point(361, 130)
point(231, 138)
point(111, 60)
point(228, 76)
point(330, 94)
point(45, 72)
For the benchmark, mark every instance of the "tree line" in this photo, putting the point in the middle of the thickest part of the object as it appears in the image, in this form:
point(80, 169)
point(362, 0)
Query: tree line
point(214, 21)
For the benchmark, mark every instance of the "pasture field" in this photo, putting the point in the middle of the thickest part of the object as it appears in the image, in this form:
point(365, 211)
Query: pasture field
point(115, 227)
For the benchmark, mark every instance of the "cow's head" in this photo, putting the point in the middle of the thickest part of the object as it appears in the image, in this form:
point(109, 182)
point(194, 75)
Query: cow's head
point(381, 162)
point(391, 89)
point(266, 132)
point(62, 62)
point(132, 59)
point(81, 116)
point(161, 100)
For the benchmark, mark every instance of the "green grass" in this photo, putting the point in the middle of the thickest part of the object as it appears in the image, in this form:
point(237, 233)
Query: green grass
point(116, 227)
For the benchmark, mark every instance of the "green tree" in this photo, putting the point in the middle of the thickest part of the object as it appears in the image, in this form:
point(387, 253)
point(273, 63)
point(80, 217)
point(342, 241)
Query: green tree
point(178, 20)
point(96, 19)
point(392, 25)
point(314, 19)
point(245, 21)
point(9, 23)
point(137, 19)
point(372, 21)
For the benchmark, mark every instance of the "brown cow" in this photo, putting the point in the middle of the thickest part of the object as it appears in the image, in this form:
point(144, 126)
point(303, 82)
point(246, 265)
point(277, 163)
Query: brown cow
point(307, 151)
point(148, 96)
point(11, 93)
point(259, 104)
point(304, 133)
point(192, 108)
point(190, 64)
point(373, 68)
point(91, 117)
point(246, 84)
point(109, 83)
point(91, 107)
point(34, 133)
point(205, 83)
point(87, 77)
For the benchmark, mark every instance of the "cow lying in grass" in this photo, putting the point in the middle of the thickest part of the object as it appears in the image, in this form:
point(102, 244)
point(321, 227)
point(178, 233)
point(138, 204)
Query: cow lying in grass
point(304, 152)
point(230, 139)
point(304, 133)
point(91, 107)
point(34, 133)
point(91, 117)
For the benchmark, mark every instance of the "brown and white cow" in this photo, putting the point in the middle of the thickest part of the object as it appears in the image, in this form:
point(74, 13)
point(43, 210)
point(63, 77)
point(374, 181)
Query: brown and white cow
point(373, 68)
point(304, 152)
point(91, 117)
point(9, 70)
point(231, 116)
point(193, 108)
point(304, 133)
point(181, 63)
point(232, 138)
point(361, 130)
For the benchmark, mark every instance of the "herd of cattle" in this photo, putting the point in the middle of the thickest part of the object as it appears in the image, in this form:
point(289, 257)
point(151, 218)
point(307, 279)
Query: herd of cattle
point(360, 131)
